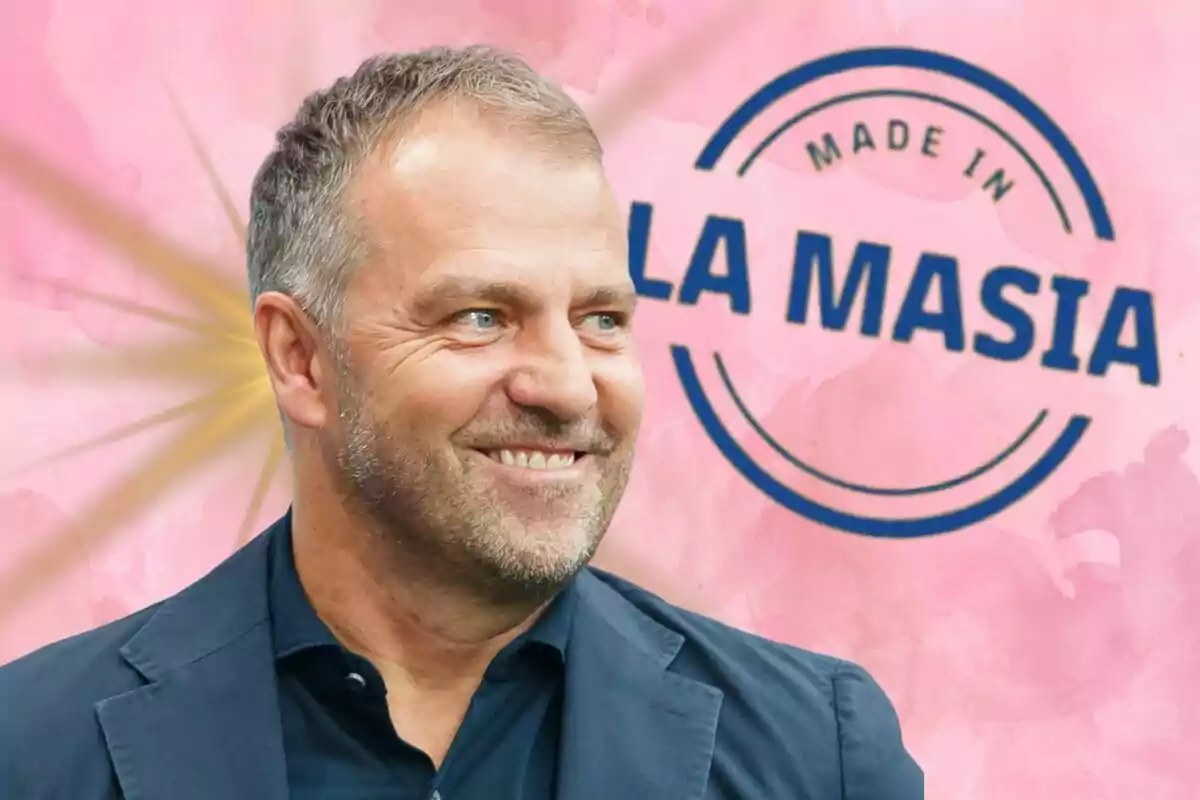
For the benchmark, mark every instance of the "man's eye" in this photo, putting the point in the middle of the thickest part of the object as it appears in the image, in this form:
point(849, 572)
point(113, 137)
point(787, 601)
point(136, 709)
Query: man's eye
point(480, 318)
point(605, 321)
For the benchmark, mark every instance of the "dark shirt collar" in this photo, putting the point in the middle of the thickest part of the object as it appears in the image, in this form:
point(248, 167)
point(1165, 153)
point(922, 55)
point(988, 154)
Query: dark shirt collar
point(295, 626)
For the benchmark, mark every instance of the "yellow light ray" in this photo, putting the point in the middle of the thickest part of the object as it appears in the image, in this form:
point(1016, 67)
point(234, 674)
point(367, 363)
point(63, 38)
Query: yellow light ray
point(196, 279)
point(98, 523)
point(265, 478)
point(146, 312)
point(212, 400)
point(210, 171)
point(157, 361)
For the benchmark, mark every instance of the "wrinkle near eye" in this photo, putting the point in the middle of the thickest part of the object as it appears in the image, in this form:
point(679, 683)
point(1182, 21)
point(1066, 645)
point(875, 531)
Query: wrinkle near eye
point(385, 334)
point(395, 344)
point(415, 350)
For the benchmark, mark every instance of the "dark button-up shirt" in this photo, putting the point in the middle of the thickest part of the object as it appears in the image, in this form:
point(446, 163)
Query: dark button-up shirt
point(339, 741)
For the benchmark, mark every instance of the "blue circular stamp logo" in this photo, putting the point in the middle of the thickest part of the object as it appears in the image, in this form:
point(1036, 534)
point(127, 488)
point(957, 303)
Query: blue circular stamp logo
point(1126, 336)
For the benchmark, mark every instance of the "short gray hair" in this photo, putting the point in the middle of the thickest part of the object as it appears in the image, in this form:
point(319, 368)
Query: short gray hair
point(302, 240)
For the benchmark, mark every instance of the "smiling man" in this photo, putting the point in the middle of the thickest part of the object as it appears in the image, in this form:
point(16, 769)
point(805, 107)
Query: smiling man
point(443, 304)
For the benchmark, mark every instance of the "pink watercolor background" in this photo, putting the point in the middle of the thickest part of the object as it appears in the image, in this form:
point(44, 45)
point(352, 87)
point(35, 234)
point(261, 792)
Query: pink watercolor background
point(1051, 651)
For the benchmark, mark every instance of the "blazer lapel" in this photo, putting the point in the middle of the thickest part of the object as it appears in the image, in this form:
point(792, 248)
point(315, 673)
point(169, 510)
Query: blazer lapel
point(207, 723)
point(631, 728)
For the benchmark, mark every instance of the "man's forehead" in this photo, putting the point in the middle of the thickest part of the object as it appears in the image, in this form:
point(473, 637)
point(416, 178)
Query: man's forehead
point(449, 202)
point(611, 288)
point(518, 281)
point(529, 270)
point(445, 166)
point(584, 253)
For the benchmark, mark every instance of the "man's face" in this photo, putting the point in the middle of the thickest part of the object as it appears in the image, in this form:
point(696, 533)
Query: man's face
point(489, 395)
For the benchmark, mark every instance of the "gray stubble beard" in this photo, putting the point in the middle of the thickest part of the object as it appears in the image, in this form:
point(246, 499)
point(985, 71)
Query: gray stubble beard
point(450, 537)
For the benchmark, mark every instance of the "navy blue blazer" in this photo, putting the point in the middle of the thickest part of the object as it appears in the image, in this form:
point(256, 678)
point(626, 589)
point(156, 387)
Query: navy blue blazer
point(178, 702)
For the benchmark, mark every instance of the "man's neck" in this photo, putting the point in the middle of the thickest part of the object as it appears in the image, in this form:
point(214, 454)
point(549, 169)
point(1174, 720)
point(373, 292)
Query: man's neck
point(427, 636)
point(430, 643)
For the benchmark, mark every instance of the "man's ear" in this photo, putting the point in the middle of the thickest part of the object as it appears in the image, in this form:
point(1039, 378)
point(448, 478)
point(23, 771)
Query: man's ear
point(292, 348)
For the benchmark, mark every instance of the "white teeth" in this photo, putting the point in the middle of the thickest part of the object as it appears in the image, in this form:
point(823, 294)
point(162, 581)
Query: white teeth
point(533, 459)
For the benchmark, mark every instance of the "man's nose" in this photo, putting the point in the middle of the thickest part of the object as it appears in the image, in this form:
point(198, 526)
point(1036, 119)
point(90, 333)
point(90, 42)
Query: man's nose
point(553, 373)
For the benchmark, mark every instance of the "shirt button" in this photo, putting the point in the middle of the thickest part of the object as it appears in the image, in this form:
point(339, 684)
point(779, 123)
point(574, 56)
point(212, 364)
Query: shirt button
point(357, 682)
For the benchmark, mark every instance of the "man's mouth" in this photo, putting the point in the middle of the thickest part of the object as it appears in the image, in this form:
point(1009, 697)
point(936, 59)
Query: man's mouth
point(531, 458)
